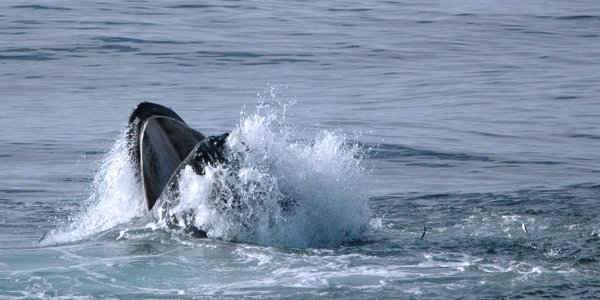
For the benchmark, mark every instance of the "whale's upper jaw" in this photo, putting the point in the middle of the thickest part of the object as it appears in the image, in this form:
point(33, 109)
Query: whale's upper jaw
point(144, 111)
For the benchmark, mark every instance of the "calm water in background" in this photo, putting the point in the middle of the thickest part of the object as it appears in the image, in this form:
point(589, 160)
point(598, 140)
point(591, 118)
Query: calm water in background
point(479, 121)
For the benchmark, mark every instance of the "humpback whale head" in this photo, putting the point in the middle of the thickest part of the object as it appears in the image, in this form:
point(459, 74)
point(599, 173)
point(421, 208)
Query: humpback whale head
point(249, 192)
point(161, 144)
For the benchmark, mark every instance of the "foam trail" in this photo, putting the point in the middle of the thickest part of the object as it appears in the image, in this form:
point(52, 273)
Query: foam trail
point(277, 191)
point(116, 198)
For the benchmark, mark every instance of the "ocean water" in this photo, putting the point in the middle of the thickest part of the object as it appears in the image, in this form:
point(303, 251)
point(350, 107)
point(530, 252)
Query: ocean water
point(436, 149)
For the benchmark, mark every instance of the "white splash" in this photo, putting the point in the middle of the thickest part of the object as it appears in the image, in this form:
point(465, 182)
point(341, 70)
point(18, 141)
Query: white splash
point(277, 191)
point(116, 198)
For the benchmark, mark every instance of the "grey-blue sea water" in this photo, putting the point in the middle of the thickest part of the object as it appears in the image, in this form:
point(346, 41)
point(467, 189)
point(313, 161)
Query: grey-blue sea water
point(478, 125)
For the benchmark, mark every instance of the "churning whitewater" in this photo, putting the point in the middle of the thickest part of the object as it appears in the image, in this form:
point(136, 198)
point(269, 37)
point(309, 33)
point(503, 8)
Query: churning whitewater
point(277, 189)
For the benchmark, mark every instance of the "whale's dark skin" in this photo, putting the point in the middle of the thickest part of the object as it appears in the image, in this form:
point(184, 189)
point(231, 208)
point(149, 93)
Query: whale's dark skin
point(161, 144)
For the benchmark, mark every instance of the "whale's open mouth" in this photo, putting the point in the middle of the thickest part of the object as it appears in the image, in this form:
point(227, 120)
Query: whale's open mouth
point(161, 144)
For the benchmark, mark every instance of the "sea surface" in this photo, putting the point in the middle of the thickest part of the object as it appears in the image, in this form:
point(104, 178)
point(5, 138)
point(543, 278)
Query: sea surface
point(437, 149)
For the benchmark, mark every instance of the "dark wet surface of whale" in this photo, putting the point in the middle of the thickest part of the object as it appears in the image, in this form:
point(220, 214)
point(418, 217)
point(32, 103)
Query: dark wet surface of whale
point(161, 144)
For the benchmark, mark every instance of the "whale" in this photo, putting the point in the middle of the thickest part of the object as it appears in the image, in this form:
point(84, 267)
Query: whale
point(160, 145)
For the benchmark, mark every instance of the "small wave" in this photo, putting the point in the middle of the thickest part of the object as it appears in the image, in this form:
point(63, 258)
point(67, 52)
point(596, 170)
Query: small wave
point(32, 57)
point(41, 7)
point(120, 39)
point(393, 151)
point(585, 136)
point(578, 17)
point(20, 191)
